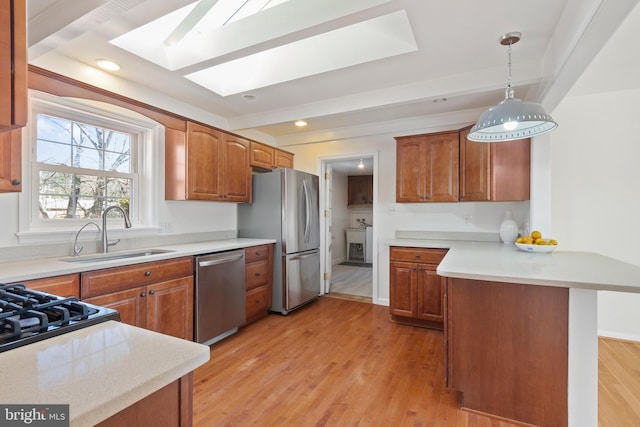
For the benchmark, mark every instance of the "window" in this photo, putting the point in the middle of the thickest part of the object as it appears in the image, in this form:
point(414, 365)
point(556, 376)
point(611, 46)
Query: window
point(82, 168)
point(84, 157)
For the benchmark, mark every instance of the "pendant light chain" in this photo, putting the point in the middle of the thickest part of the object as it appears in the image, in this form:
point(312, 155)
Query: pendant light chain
point(509, 65)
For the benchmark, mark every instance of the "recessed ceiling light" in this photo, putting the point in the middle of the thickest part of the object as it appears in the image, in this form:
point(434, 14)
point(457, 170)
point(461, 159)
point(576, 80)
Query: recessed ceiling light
point(300, 123)
point(107, 65)
point(438, 100)
point(249, 97)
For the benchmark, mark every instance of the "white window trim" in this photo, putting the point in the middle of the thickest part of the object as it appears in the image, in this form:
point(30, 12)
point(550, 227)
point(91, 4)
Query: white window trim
point(31, 229)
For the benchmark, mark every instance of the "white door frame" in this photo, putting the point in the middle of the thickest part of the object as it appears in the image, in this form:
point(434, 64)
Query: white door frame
point(325, 247)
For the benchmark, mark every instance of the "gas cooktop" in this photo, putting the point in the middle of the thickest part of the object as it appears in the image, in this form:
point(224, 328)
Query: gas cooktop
point(27, 316)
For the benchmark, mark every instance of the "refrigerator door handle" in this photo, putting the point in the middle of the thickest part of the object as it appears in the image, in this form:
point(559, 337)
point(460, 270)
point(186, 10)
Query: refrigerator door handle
point(303, 256)
point(307, 211)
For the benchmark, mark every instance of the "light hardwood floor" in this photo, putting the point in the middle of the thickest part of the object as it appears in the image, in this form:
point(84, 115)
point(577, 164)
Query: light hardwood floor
point(343, 363)
point(618, 383)
point(351, 280)
point(332, 363)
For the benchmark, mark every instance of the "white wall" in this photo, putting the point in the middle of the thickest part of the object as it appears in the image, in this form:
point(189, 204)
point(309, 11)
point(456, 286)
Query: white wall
point(594, 157)
point(595, 205)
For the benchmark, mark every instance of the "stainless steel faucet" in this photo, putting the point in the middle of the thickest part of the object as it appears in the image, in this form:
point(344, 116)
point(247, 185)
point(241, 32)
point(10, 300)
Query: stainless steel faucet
point(76, 247)
point(127, 224)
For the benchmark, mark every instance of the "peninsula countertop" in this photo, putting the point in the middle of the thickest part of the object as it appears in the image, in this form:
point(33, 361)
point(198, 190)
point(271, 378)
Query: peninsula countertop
point(56, 266)
point(98, 371)
point(493, 261)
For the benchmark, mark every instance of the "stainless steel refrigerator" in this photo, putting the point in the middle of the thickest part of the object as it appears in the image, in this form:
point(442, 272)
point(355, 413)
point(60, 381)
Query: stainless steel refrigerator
point(285, 208)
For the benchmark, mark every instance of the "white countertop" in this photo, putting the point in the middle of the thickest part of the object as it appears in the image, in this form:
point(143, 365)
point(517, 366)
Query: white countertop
point(98, 370)
point(501, 262)
point(49, 267)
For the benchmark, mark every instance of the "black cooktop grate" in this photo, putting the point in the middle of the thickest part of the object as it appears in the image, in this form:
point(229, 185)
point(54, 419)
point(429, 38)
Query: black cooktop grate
point(28, 316)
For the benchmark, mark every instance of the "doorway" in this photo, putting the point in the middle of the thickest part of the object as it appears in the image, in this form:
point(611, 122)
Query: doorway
point(350, 269)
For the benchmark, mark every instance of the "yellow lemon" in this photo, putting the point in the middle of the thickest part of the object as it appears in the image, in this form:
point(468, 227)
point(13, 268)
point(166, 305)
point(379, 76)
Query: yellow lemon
point(527, 240)
point(536, 234)
point(519, 240)
point(541, 242)
point(553, 242)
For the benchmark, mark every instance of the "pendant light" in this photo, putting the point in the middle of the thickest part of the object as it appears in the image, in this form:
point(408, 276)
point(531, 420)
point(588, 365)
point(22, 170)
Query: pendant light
point(512, 118)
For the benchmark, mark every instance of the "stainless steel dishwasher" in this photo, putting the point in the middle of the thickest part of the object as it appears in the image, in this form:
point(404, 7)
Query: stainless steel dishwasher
point(220, 296)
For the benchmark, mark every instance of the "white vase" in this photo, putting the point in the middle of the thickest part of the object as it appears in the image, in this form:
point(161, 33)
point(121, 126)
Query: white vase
point(508, 228)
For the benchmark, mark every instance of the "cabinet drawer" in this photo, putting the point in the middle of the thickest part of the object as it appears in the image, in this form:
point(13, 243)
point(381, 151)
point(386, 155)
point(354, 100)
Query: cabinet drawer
point(428, 256)
point(257, 274)
point(109, 280)
point(255, 253)
point(257, 301)
point(62, 286)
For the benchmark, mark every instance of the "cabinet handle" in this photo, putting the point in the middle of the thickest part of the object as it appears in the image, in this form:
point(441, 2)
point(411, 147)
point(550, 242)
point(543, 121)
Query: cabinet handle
point(417, 255)
point(151, 292)
point(147, 273)
point(414, 269)
point(258, 274)
point(419, 268)
point(143, 294)
point(258, 253)
point(15, 182)
point(257, 301)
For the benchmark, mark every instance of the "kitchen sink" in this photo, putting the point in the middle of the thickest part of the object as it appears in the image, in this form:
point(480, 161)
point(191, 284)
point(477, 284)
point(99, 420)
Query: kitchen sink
point(116, 255)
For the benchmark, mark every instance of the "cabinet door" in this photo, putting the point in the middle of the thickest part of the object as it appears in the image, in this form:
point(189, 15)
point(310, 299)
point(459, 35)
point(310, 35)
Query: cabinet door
point(284, 159)
point(10, 161)
point(360, 190)
point(441, 160)
point(475, 169)
point(203, 161)
point(430, 293)
point(236, 170)
point(410, 170)
point(131, 304)
point(13, 64)
point(262, 156)
point(170, 308)
point(511, 170)
point(402, 289)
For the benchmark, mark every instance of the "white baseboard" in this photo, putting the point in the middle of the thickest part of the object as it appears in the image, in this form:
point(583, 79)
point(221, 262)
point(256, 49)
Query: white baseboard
point(619, 336)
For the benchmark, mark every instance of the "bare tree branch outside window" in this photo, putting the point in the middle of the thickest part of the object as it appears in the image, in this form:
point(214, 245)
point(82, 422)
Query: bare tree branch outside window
point(83, 168)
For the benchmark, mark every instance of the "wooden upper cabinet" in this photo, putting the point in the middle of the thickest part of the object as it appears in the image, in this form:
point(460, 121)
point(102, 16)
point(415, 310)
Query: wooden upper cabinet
point(497, 171)
point(10, 161)
point(13, 65)
point(236, 169)
point(427, 168)
point(360, 190)
point(204, 158)
point(206, 164)
point(262, 156)
point(267, 157)
point(284, 159)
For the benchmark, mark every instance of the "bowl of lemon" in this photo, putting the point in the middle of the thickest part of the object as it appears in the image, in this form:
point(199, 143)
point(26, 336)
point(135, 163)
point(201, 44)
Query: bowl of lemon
point(536, 243)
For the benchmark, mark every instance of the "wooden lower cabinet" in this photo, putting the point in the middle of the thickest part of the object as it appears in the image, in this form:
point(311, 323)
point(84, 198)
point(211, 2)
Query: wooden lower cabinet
point(62, 286)
point(157, 296)
point(416, 290)
point(259, 281)
point(506, 349)
point(171, 406)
